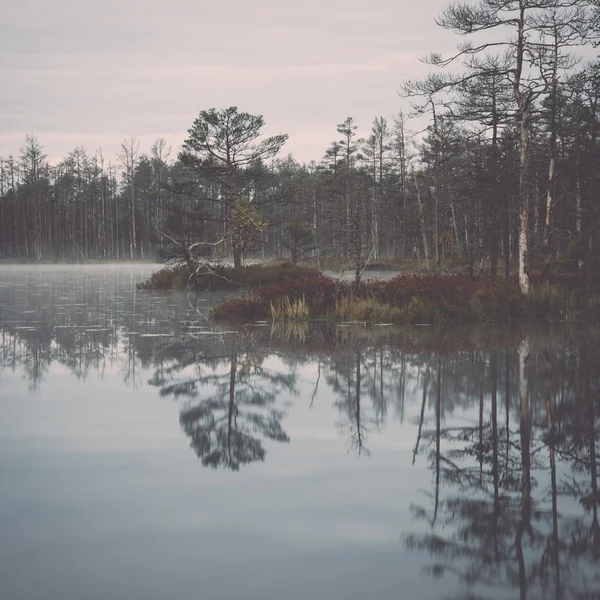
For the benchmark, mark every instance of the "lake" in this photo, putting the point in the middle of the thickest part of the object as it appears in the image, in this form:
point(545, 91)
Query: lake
point(146, 453)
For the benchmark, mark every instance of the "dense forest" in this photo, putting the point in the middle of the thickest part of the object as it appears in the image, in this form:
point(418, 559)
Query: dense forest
point(507, 167)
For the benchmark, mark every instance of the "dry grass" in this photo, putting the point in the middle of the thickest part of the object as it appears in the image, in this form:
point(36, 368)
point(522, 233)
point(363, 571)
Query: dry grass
point(292, 310)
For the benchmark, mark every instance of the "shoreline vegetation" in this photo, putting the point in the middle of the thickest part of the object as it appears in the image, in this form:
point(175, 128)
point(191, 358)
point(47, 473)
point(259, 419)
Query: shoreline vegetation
point(281, 291)
point(214, 277)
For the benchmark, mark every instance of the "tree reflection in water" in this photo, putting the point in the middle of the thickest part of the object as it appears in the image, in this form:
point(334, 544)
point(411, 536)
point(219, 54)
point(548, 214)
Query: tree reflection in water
point(365, 378)
point(229, 411)
point(345, 379)
point(495, 519)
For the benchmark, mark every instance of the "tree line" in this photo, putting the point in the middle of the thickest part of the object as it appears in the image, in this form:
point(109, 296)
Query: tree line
point(507, 166)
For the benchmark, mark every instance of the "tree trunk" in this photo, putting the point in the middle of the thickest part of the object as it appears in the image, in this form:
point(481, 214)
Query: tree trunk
point(237, 260)
point(524, 205)
point(422, 216)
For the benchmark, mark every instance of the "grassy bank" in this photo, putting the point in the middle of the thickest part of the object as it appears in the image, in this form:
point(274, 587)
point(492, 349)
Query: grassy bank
point(224, 277)
point(413, 298)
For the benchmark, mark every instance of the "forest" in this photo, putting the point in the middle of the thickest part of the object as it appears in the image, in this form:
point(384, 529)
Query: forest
point(505, 171)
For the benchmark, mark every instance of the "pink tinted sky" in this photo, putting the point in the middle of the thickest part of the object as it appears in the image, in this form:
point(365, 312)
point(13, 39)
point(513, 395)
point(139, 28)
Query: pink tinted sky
point(81, 72)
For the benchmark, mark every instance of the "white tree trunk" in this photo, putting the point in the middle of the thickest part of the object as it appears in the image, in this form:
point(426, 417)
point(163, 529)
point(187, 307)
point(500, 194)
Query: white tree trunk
point(523, 251)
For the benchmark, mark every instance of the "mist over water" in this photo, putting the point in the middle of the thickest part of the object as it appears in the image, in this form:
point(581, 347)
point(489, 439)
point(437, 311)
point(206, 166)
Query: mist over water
point(146, 453)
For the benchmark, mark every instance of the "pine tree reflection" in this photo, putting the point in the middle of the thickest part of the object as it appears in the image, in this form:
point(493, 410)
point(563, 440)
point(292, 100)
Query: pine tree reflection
point(576, 443)
point(496, 525)
point(482, 521)
point(230, 412)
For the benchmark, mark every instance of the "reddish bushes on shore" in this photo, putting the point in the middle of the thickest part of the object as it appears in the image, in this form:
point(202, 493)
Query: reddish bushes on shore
point(412, 298)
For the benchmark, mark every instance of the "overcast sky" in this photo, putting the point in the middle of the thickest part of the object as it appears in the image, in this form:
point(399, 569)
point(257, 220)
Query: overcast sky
point(93, 72)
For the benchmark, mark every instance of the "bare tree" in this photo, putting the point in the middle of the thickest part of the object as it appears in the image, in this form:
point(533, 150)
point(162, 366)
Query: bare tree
point(520, 18)
point(129, 156)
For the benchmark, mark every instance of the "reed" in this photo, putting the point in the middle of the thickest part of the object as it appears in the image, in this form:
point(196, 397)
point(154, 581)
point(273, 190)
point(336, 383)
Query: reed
point(291, 310)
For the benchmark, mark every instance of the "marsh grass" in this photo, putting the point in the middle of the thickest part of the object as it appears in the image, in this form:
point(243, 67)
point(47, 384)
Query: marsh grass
point(413, 298)
point(295, 309)
point(562, 302)
point(370, 310)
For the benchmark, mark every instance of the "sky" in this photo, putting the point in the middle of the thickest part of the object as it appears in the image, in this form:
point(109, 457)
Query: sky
point(91, 73)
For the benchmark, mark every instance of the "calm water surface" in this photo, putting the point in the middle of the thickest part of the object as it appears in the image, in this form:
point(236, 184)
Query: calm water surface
point(145, 454)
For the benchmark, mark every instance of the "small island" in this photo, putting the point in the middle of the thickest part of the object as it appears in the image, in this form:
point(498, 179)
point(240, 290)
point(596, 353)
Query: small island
point(280, 290)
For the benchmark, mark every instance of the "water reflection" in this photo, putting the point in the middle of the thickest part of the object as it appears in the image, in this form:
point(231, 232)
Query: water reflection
point(501, 513)
point(230, 404)
point(347, 380)
point(504, 423)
